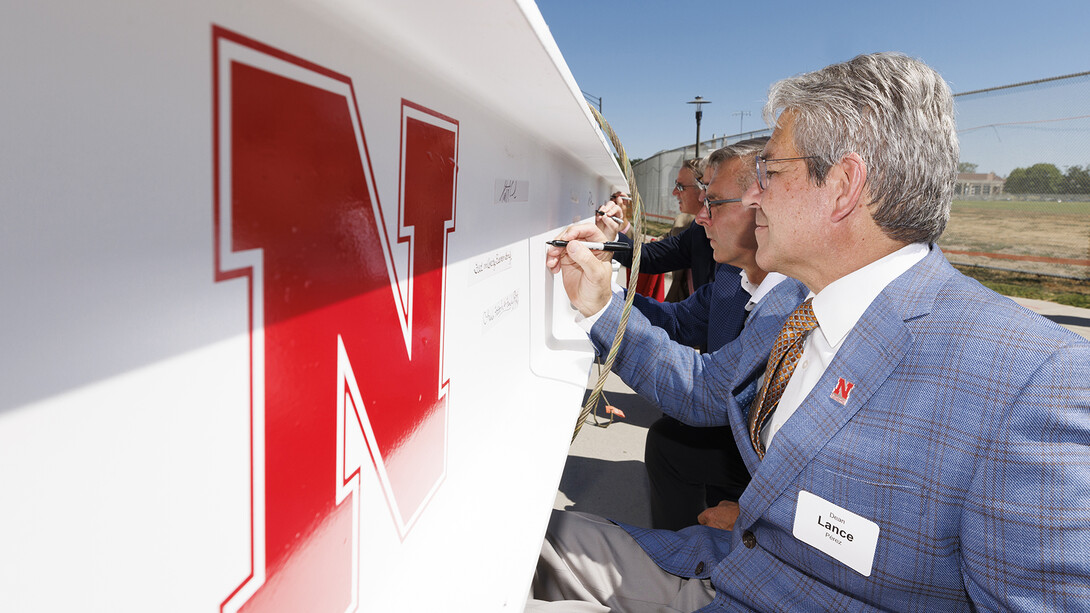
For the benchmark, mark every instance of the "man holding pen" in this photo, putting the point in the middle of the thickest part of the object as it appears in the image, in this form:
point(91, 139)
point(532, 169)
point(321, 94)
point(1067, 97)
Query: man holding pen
point(687, 251)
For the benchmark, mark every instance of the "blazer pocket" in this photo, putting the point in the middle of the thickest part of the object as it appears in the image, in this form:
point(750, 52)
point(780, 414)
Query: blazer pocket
point(900, 510)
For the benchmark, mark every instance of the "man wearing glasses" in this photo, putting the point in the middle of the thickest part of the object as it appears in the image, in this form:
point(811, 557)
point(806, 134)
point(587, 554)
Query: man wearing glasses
point(917, 442)
point(686, 251)
point(696, 474)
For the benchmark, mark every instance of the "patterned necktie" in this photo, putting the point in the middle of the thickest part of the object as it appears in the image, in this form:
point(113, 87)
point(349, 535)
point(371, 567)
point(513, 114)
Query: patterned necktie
point(781, 363)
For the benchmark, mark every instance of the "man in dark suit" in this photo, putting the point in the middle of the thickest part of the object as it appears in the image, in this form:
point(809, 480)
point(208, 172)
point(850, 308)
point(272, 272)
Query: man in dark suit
point(686, 250)
point(917, 442)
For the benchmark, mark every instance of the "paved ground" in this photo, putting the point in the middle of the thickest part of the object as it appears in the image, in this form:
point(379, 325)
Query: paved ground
point(1072, 318)
point(605, 473)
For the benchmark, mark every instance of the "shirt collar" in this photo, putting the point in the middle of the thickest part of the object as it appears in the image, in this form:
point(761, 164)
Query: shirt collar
point(756, 292)
point(746, 283)
point(839, 306)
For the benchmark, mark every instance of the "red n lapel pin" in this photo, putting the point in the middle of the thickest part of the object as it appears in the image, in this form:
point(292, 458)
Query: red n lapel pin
point(841, 391)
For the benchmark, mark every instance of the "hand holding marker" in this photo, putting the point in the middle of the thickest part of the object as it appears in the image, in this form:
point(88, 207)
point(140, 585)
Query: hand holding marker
point(613, 217)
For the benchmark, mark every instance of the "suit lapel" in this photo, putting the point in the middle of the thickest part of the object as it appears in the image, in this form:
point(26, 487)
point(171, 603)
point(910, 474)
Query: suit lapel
point(869, 354)
point(873, 348)
point(760, 332)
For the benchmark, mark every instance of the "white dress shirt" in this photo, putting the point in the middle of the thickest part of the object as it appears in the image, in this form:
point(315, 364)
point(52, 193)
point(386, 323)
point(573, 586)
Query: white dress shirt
point(756, 292)
point(837, 308)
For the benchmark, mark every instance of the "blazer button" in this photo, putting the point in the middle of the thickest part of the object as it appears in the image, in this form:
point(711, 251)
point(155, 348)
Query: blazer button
point(749, 540)
point(700, 568)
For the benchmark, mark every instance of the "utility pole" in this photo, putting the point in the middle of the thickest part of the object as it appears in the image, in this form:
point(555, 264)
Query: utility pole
point(741, 115)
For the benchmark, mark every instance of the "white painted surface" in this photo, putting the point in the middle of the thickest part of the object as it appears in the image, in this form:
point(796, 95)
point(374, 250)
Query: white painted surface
point(125, 411)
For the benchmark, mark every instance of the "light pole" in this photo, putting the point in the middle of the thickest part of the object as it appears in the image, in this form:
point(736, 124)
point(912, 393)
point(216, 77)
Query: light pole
point(741, 115)
point(698, 101)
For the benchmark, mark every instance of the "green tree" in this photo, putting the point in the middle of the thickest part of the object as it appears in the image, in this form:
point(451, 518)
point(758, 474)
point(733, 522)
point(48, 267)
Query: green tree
point(1076, 180)
point(1037, 179)
point(967, 167)
point(1044, 178)
point(1016, 182)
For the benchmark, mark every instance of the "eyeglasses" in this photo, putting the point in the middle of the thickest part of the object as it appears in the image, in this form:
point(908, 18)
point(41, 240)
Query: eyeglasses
point(762, 167)
point(708, 204)
point(702, 185)
point(680, 187)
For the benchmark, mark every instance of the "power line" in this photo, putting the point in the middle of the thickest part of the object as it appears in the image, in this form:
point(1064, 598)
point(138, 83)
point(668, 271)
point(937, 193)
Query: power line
point(1020, 123)
point(1023, 84)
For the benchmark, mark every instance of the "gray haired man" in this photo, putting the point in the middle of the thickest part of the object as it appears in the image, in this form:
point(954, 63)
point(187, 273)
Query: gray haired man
point(917, 442)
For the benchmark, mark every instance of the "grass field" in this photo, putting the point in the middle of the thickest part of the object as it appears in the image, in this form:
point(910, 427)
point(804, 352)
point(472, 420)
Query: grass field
point(1028, 285)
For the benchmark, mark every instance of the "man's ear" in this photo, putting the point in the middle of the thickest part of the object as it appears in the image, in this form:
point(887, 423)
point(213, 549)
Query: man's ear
point(850, 181)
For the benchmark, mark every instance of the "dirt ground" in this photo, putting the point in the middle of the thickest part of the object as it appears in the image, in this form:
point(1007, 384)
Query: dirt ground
point(1053, 230)
point(1040, 229)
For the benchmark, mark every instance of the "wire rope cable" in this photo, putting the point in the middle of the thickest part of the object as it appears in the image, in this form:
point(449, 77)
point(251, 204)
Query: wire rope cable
point(597, 395)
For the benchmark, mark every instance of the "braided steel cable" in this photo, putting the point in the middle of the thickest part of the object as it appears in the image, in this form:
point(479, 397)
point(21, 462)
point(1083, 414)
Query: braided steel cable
point(591, 406)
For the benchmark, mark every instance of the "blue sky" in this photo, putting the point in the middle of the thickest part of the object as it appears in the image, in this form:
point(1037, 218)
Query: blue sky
point(647, 59)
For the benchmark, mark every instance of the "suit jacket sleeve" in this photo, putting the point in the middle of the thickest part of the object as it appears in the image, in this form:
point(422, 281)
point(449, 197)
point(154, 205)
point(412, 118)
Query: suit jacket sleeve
point(662, 256)
point(689, 249)
point(1026, 518)
point(685, 322)
point(697, 389)
point(624, 258)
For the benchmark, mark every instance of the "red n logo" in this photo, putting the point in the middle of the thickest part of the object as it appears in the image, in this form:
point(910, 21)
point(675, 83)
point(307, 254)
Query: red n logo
point(841, 391)
point(298, 216)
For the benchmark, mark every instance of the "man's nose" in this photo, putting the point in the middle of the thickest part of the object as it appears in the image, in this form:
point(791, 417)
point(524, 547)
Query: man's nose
point(752, 197)
point(702, 217)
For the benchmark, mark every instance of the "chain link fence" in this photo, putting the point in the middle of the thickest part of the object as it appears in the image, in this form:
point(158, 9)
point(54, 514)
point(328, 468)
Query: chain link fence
point(1022, 201)
point(655, 175)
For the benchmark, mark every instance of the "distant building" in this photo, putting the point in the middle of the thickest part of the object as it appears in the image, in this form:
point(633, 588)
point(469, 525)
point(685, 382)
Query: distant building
point(978, 184)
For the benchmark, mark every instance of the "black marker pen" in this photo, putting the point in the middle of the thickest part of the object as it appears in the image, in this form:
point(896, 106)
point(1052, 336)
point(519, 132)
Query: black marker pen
point(607, 246)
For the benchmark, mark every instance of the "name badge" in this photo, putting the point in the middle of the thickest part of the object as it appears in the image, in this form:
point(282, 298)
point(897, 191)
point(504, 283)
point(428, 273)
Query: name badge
point(847, 537)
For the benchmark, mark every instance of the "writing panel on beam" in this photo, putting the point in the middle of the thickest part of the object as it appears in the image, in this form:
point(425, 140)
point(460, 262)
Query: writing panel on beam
point(560, 349)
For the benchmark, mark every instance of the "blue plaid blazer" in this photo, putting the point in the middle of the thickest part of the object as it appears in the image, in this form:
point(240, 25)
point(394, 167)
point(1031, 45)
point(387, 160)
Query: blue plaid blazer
point(709, 318)
point(966, 439)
